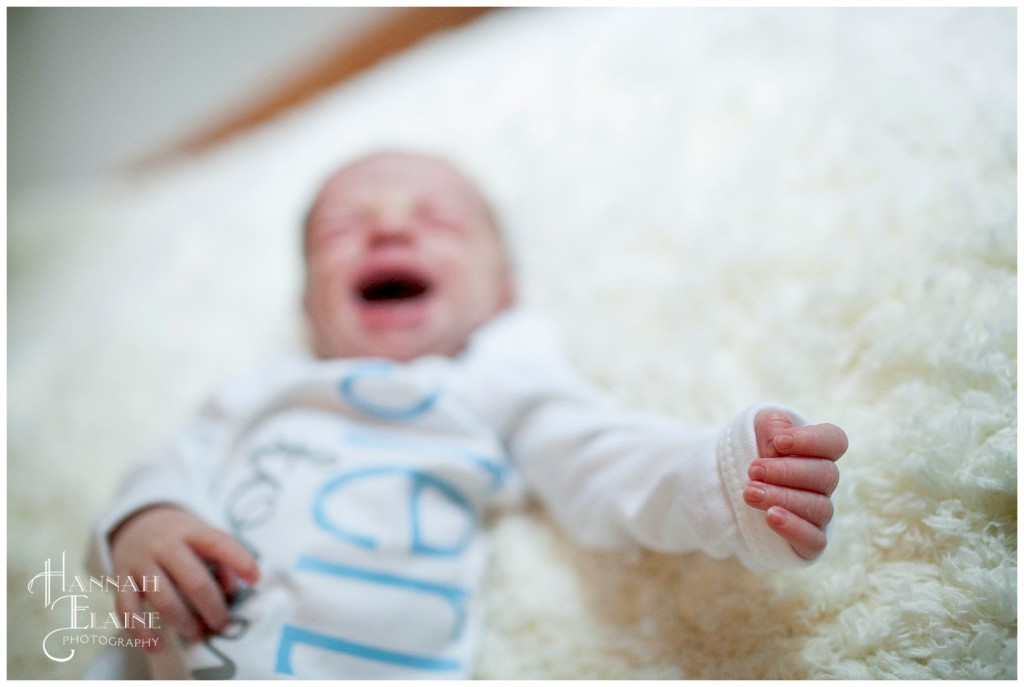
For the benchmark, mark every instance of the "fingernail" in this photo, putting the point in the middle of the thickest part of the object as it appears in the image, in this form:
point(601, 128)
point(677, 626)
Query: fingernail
point(758, 473)
point(754, 494)
point(775, 515)
point(783, 442)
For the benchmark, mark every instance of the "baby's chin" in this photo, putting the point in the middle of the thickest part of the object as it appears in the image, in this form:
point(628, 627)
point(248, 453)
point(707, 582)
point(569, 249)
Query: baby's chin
point(400, 348)
point(400, 345)
point(438, 335)
point(440, 330)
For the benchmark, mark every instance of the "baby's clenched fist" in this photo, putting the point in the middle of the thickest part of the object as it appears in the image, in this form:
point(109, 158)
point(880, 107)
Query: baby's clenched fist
point(794, 477)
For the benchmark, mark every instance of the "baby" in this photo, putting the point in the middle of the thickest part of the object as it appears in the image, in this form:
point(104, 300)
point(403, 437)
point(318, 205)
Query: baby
point(323, 517)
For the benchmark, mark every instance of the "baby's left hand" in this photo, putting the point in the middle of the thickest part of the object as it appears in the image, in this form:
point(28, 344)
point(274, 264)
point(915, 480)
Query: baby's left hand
point(794, 478)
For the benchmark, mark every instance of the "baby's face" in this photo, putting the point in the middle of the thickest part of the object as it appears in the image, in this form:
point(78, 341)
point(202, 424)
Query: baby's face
point(403, 259)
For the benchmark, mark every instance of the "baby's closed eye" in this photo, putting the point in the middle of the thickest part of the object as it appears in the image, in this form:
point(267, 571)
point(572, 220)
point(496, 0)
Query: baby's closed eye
point(440, 216)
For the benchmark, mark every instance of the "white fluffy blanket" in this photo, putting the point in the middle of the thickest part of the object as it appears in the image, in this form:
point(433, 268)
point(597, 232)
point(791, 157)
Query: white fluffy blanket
point(814, 206)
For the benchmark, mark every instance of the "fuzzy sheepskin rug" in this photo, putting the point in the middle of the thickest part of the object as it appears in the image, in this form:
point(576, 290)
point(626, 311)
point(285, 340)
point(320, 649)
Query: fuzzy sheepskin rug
point(715, 207)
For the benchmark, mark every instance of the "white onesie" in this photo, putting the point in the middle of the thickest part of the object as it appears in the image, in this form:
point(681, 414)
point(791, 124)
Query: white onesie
point(362, 488)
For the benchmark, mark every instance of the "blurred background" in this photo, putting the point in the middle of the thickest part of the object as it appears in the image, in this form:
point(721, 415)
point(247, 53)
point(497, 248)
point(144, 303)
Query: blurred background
point(92, 90)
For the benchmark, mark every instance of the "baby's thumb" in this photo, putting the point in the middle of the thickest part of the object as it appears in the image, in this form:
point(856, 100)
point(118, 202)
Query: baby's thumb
point(767, 424)
point(227, 552)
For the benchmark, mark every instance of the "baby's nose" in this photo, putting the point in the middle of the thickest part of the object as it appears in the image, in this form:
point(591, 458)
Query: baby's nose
point(393, 225)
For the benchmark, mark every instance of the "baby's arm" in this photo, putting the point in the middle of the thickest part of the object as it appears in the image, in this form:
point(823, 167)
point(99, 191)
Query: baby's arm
point(175, 546)
point(794, 477)
point(617, 479)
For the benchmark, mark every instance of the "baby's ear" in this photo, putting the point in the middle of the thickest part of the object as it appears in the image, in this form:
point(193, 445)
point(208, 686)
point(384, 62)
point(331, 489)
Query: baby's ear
point(507, 296)
point(307, 318)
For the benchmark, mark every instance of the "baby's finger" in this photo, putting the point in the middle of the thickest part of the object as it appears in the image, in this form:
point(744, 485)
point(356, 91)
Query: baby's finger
point(129, 604)
point(806, 540)
point(814, 508)
point(767, 424)
point(199, 587)
point(173, 610)
point(819, 475)
point(226, 551)
point(813, 441)
point(227, 579)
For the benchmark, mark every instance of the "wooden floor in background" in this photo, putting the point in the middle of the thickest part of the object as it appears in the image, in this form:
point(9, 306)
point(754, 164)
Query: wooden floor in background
point(399, 30)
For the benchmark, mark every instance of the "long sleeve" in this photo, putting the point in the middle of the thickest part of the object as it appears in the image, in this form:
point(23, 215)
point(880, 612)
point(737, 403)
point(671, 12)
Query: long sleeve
point(618, 479)
point(181, 470)
point(168, 475)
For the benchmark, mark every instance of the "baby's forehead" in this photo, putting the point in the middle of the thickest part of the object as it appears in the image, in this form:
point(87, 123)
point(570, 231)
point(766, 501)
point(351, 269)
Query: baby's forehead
point(429, 176)
point(426, 176)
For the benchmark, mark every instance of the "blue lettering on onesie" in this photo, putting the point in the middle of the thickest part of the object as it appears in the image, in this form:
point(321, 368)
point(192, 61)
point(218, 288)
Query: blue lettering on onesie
point(349, 387)
point(419, 482)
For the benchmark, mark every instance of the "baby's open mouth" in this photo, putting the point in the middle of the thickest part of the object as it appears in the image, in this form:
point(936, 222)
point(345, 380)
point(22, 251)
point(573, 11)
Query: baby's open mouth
point(394, 294)
point(394, 287)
